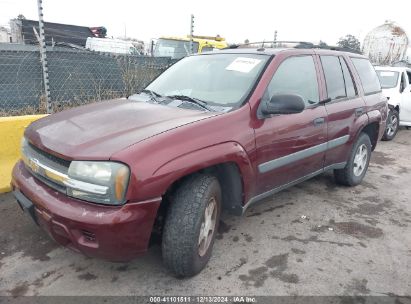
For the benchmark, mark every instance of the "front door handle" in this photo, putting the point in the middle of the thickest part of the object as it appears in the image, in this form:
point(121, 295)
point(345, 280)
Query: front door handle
point(359, 112)
point(319, 121)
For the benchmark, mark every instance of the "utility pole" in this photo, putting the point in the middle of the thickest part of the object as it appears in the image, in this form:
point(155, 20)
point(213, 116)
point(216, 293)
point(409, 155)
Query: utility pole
point(191, 34)
point(275, 39)
point(43, 57)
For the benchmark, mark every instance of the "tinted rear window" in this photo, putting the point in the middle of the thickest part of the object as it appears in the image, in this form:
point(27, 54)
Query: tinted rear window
point(368, 76)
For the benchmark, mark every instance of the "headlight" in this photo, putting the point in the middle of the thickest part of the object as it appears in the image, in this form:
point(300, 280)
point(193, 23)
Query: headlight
point(100, 182)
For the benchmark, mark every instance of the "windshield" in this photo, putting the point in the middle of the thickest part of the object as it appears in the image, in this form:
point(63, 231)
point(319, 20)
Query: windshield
point(175, 49)
point(388, 79)
point(217, 79)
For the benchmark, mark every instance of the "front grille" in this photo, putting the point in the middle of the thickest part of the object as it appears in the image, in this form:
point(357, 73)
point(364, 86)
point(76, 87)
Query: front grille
point(50, 157)
point(32, 153)
point(49, 183)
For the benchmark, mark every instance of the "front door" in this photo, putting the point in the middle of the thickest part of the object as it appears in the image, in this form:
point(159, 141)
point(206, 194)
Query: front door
point(290, 147)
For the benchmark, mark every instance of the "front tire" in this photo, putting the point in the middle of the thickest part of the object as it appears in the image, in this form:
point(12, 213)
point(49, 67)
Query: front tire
point(191, 225)
point(393, 124)
point(357, 164)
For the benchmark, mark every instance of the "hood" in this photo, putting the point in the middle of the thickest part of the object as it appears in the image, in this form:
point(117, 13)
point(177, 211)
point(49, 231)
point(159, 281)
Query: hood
point(99, 130)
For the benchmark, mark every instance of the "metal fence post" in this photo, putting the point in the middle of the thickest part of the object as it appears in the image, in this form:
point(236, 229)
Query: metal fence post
point(43, 57)
point(191, 34)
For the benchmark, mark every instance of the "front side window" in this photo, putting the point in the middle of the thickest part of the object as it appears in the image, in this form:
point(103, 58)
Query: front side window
point(295, 75)
point(368, 76)
point(334, 77)
point(403, 82)
point(388, 79)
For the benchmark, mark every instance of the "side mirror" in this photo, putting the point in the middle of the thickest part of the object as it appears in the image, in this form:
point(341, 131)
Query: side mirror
point(284, 104)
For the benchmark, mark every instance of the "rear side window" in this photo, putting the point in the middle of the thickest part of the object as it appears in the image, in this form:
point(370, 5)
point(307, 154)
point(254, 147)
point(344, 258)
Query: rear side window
point(296, 75)
point(333, 77)
point(349, 83)
point(368, 76)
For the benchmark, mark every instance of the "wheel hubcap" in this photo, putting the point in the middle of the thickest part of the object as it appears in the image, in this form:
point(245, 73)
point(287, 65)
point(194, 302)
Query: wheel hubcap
point(360, 160)
point(207, 227)
point(392, 125)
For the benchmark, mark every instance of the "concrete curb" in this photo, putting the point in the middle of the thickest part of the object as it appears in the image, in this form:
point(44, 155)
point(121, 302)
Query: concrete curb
point(11, 132)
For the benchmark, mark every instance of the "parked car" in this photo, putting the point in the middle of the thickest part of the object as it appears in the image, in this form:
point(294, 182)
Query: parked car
point(396, 85)
point(216, 131)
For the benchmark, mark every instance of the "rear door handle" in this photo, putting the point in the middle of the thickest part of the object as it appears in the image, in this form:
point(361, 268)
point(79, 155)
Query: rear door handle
point(319, 121)
point(359, 112)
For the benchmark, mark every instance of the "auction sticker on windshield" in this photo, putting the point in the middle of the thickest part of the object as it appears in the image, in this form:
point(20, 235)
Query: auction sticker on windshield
point(243, 64)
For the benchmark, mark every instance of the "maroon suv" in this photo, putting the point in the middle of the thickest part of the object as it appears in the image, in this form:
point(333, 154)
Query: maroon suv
point(217, 131)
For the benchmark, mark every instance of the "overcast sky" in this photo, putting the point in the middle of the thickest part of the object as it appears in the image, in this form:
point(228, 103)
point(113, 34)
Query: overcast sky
point(235, 20)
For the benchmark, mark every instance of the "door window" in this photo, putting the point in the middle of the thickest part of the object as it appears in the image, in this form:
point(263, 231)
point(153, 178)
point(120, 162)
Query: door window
point(350, 87)
point(295, 75)
point(334, 77)
point(403, 82)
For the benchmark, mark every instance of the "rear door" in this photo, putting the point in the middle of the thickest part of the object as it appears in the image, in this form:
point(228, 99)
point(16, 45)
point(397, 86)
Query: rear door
point(345, 108)
point(290, 147)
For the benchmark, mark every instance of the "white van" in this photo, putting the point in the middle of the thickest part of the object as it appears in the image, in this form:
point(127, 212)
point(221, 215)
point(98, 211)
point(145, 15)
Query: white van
point(107, 45)
point(396, 85)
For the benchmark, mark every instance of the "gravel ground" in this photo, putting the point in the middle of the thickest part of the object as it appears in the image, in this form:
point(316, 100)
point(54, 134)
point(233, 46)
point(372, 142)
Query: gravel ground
point(313, 239)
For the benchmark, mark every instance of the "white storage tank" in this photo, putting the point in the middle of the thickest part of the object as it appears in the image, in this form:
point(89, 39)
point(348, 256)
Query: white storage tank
point(386, 44)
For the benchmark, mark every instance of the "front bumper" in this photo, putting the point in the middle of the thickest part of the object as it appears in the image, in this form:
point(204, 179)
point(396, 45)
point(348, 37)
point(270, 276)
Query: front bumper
point(115, 233)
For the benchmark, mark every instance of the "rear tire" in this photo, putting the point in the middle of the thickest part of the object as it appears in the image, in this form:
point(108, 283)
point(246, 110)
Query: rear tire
point(191, 225)
point(393, 124)
point(357, 164)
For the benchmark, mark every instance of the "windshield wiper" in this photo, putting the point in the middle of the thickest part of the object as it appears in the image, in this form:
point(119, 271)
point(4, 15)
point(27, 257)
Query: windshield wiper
point(196, 101)
point(154, 95)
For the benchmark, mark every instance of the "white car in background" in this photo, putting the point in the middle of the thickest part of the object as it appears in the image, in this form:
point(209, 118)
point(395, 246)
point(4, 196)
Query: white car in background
point(396, 85)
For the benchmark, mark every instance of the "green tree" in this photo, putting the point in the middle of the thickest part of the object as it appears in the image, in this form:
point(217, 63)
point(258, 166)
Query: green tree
point(349, 41)
point(322, 44)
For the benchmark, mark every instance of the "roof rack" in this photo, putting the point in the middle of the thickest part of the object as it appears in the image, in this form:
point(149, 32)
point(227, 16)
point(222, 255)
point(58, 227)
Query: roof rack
point(292, 44)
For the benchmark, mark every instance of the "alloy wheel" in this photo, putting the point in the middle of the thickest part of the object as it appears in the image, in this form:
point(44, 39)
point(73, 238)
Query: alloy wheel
point(207, 227)
point(360, 160)
point(392, 125)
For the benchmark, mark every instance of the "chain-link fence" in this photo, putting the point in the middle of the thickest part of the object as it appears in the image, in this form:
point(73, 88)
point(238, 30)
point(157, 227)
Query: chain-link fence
point(76, 76)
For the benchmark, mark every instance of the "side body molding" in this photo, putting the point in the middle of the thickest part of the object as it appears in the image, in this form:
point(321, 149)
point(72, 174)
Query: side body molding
point(288, 159)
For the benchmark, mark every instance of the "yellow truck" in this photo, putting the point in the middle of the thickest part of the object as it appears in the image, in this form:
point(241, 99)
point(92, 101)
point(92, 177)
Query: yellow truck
point(178, 47)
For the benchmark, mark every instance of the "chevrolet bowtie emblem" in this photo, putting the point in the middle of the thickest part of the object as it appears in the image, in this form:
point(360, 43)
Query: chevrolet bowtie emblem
point(34, 165)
